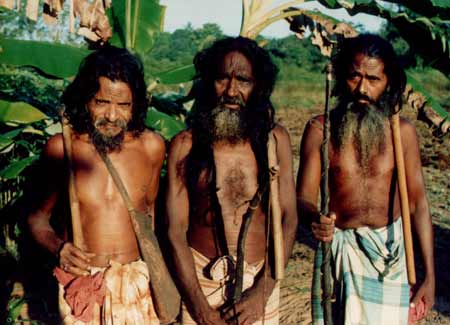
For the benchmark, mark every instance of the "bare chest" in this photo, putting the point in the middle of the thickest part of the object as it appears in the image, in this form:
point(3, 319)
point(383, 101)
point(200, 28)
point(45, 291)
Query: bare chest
point(95, 185)
point(236, 177)
point(346, 167)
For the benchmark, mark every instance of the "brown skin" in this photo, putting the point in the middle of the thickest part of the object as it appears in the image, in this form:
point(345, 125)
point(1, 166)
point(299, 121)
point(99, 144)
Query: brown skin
point(106, 226)
point(358, 200)
point(236, 171)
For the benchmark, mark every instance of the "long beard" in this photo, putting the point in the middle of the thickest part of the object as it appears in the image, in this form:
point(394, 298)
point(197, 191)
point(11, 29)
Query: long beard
point(104, 142)
point(364, 127)
point(227, 124)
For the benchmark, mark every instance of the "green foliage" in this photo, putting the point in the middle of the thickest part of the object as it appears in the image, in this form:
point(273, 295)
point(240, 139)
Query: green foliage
point(163, 123)
point(424, 25)
point(135, 27)
point(57, 60)
point(173, 50)
point(19, 112)
point(300, 53)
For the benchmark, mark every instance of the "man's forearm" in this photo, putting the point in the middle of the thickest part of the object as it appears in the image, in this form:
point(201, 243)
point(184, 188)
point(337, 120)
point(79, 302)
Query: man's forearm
point(307, 212)
point(187, 277)
point(424, 231)
point(43, 233)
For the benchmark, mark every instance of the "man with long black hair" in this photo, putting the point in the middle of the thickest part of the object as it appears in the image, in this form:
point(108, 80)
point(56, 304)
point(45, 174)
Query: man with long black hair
point(214, 169)
point(364, 225)
point(102, 280)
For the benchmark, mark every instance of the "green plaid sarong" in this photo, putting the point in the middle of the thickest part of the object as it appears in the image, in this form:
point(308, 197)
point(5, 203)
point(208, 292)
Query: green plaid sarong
point(370, 280)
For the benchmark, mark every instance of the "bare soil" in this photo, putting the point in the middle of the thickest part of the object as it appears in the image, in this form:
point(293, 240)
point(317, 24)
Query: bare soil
point(435, 154)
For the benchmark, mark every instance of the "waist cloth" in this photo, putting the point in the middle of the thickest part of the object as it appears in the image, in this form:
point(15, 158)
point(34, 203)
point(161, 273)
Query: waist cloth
point(217, 283)
point(116, 294)
point(368, 275)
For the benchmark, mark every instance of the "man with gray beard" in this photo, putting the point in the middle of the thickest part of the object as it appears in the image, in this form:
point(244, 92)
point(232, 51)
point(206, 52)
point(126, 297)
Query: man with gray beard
point(364, 225)
point(215, 167)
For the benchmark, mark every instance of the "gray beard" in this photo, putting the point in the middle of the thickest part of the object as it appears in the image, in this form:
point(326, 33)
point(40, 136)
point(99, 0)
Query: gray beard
point(227, 125)
point(363, 126)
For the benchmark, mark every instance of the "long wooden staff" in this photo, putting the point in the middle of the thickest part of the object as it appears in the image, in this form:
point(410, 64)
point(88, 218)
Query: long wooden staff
point(276, 224)
point(404, 203)
point(324, 198)
point(77, 232)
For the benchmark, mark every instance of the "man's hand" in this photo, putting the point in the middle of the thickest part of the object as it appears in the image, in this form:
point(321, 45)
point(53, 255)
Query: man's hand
point(423, 299)
point(74, 260)
point(323, 230)
point(249, 309)
point(210, 317)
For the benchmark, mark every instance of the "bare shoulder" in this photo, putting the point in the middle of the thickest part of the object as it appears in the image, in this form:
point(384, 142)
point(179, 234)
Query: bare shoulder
point(280, 132)
point(54, 148)
point(153, 143)
point(313, 132)
point(180, 145)
point(408, 132)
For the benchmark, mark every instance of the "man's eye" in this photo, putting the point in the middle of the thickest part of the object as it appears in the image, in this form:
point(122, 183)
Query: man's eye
point(100, 102)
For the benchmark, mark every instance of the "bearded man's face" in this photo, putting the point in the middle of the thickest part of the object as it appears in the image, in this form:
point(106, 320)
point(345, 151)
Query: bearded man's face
point(233, 88)
point(364, 120)
point(111, 111)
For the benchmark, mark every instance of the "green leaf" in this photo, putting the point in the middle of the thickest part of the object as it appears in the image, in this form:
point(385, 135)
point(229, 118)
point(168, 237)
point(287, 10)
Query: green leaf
point(19, 112)
point(417, 86)
point(57, 60)
point(163, 123)
point(6, 139)
point(178, 75)
point(14, 307)
point(14, 169)
point(146, 23)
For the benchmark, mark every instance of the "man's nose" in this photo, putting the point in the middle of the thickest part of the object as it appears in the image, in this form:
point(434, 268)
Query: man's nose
point(362, 87)
point(232, 89)
point(111, 114)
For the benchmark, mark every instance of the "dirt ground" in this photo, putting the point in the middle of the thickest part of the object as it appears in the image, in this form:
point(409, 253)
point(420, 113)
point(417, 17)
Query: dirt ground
point(435, 152)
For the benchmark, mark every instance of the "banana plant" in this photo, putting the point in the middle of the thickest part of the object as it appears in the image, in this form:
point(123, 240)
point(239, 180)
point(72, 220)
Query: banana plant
point(425, 25)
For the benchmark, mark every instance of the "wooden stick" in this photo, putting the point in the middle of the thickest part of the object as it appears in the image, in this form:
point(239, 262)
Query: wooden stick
point(324, 198)
point(276, 224)
point(77, 231)
point(404, 202)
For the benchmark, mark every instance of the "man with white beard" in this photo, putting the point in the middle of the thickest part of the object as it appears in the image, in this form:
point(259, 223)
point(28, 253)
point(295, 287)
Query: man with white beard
point(364, 225)
point(215, 167)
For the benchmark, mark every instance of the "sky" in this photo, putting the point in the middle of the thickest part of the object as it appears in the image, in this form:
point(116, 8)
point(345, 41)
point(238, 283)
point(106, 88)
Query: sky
point(227, 14)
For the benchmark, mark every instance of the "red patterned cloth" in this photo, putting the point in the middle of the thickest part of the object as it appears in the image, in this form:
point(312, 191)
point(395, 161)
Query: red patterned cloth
point(81, 293)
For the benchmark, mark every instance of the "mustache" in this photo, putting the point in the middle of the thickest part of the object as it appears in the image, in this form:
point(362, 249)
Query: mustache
point(223, 100)
point(104, 122)
point(359, 96)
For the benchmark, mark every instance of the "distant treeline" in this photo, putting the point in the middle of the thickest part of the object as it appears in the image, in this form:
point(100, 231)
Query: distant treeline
point(178, 48)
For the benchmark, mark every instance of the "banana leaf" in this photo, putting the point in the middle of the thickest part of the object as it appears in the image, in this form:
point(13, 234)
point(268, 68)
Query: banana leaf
point(166, 125)
point(423, 24)
point(7, 138)
point(178, 75)
point(55, 60)
point(146, 21)
point(14, 169)
point(19, 112)
point(430, 101)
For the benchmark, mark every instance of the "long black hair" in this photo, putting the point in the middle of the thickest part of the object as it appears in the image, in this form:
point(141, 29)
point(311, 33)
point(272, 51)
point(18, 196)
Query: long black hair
point(259, 111)
point(376, 47)
point(116, 64)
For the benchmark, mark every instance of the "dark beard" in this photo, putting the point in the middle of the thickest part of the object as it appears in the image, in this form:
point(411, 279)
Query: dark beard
point(106, 143)
point(364, 127)
point(227, 124)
